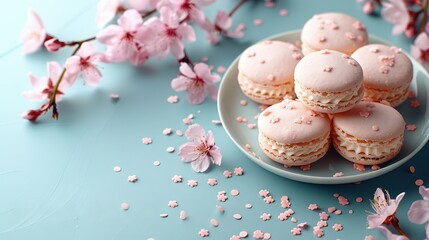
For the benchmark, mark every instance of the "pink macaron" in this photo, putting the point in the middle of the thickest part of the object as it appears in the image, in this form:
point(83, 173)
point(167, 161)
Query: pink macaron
point(266, 71)
point(334, 31)
point(328, 81)
point(292, 134)
point(370, 133)
point(387, 73)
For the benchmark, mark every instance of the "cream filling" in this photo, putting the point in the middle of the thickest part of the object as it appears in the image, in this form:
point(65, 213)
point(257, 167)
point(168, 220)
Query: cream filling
point(295, 150)
point(277, 91)
point(394, 96)
point(369, 148)
point(334, 98)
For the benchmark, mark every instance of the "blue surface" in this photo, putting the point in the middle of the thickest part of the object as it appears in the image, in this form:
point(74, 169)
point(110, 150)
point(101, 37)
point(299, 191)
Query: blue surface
point(56, 177)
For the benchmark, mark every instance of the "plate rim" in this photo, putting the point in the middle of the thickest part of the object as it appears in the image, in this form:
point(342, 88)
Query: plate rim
point(317, 179)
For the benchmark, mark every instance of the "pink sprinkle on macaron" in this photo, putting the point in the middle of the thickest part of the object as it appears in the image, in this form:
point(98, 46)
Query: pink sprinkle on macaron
point(419, 182)
point(117, 168)
point(125, 206)
point(257, 22)
point(283, 12)
point(352, 62)
point(387, 60)
point(383, 69)
point(345, 56)
point(262, 62)
point(297, 56)
point(183, 215)
point(146, 140)
point(374, 49)
point(375, 128)
point(170, 149)
point(173, 99)
point(270, 77)
point(322, 38)
point(359, 26)
point(350, 36)
point(411, 127)
point(396, 49)
point(364, 114)
point(327, 69)
point(237, 216)
point(325, 51)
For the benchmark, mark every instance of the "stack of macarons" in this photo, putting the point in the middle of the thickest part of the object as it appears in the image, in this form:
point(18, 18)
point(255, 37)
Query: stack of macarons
point(338, 89)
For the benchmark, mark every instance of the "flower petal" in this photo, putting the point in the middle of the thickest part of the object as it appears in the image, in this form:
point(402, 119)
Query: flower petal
point(180, 83)
point(419, 212)
point(216, 155)
point(110, 35)
point(177, 48)
point(187, 152)
point(196, 94)
point(374, 220)
point(91, 75)
point(54, 71)
point(186, 70)
point(390, 235)
point(106, 11)
point(86, 50)
point(130, 20)
point(73, 64)
point(201, 164)
point(212, 91)
point(194, 132)
point(424, 192)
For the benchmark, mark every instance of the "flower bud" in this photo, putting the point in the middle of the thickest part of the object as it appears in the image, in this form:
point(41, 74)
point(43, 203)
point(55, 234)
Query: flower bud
point(32, 115)
point(53, 45)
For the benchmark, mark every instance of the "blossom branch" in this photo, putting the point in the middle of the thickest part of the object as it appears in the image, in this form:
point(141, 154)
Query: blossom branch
point(239, 4)
point(395, 223)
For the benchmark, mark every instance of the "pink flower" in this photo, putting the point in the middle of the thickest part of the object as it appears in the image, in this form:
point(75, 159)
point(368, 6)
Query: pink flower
point(139, 5)
point(223, 23)
point(106, 11)
point(125, 39)
point(53, 45)
point(201, 151)
point(419, 210)
point(169, 33)
point(189, 9)
point(390, 235)
point(43, 87)
point(84, 62)
point(34, 33)
point(396, 12)
point(384, 207)
point(196, 82)
point(420, 49)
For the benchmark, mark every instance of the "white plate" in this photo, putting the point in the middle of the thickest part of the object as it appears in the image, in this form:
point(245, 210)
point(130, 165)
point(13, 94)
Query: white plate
point(323, 170)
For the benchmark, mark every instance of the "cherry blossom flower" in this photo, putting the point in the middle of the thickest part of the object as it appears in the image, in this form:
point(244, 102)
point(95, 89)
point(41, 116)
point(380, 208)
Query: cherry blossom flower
point(384, 207)
point(419, 210)
point(396, 12)
point(125, 40)
point(196, 82)
point(34, 33)
point(139, 5)
point(201, 150)
point(106, 11)
point(390, 235)
point(84, 63)
point(189, 9)
point(43, 87)
point(170, 30)
point(223, 23)
point(420, 49)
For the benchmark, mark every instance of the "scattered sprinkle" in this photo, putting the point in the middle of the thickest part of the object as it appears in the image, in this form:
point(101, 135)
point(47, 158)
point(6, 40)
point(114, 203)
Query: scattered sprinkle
point(248, 206)
point(268, 199)
point(156, 163)
point(264, 193)
point(267, 235)
point(146, 140)
point(187, 121)
point(227, 173)
point(359, 167)
point(179, 133)
point(204, 233)
point(343, 201)
point(251, 125)
point(270, 77)
point(369, 237)
point(318, 232)
point(114, 96)
point(375, 167)
point(217, 122)
point(332, 209)
point(170, 149)
point(322, 224)
point(221, 196)
point(324, 216)
point(212, 181)
point(338, 174)
point(238, 171)
point(374, 49)
point(172, 203)
point(327, 69)
point(243, 102)
point(411, 127)
point(265, 216)
point(192, 183)
point(338, 212)
point(269, 4)
point(411, 94)
point(176, 179)
point(167, 131)
point(220, 209)
point(283, 12)
point(182, 215)
point(337, 227)
point(359, 199)
point(214, 222)
point(235, 237)
point(237, 216)
point(419, 182)
point(163, 215)
point(235, 192)
point(243, 234)
point(117, 168)
point(313, 206)
point(173, 99)
point(383, 69)
point(412, 169)
point(258, 234)
point(125, 206)
point(221, 69)
point(257, 22)
point(296, 231)
point(364, 114)
point(132, 178)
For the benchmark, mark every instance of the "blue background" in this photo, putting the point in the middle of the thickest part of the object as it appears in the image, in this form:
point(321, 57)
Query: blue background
point(56, 177)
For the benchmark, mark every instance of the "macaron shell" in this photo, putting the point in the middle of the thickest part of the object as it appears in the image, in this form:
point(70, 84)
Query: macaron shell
point(370, 121)
point(334, 31)
point(328, 71)
point(384, 67)
point(270, 62)
point(290, 122)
